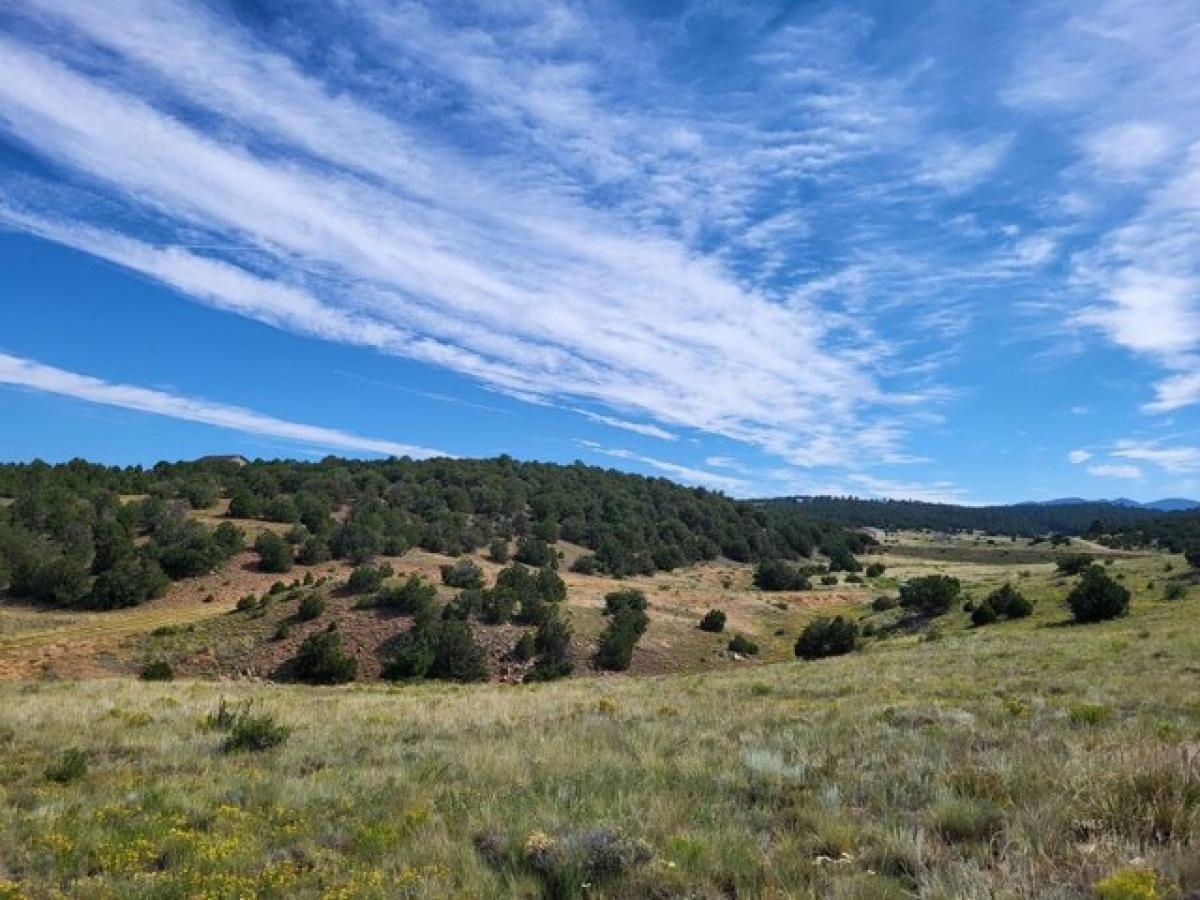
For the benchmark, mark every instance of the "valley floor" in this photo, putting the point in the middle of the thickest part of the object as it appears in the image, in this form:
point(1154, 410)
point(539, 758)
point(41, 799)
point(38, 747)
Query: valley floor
point(1025, 759)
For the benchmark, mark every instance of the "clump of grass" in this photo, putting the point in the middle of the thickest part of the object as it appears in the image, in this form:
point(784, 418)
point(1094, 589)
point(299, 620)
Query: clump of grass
point(1090, 714)
point(574, 862)
point(71, 765)
point(311, 607)
point(959, 820)
point(1152, 796)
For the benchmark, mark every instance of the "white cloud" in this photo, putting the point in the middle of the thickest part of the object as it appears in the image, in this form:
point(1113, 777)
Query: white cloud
point(1175, 460)
point(1109, 470)
point(936, 492)
point(958, 167)
point(1079, 457)
point(1128, 149)
point(686, 474)
point(25, 373)
point(636, 427)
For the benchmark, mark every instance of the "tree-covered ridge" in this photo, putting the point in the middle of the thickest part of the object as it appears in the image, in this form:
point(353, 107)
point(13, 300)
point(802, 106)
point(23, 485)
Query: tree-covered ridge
point(1023, 519)
point(68, 526)
point(1177, 532)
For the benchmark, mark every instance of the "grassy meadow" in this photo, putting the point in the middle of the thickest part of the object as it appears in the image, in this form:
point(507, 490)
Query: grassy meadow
point(1029, 758)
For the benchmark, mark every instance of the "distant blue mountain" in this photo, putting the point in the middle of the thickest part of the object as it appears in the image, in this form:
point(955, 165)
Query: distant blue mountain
point(1170, 504)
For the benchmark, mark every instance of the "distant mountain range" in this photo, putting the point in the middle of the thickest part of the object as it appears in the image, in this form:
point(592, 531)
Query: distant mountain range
point(1169, 504)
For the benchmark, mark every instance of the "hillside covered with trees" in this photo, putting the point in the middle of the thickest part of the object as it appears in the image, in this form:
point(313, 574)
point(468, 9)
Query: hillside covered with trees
point(99, 536)
point(1022, 519)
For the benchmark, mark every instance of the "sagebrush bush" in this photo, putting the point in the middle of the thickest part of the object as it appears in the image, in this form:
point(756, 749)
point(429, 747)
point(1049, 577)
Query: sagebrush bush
point(824, 637)
point(713, 621)
point(1097, 597)
point(321, 660)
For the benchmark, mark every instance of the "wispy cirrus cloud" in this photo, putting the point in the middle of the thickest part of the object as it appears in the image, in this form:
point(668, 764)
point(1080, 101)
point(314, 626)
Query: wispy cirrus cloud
point(29, 374)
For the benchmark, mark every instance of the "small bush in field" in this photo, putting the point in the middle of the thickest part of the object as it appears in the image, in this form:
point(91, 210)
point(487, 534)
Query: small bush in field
point(714, 621)
point(884, 603)
point(1097, 597)
point(854, 578)
point(930, 595)
point(742, 645)
point(1175, 590)
point(586, 565)
point(824, 637)
point(1073, 563)
point(250, 733)
point(321, 660)
point(627, 623)
point(283, 631)
point(875, 569)
point(158, 670)
point(777, 575)
point(366, 578)
point(247, 603)
point(462, 574)
point(1006, 602)
point(829, 580)
point(984, 614)
point(71, 765)
point(311, 607)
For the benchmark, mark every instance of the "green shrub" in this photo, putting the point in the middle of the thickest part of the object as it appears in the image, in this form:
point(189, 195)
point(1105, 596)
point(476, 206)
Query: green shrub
point(742, 645)
point(457, 656)
point(1090, 714)
point(312, 606)
point(274, 553)
point(1175, 590)
point(875, 569)
point(884, 603)
point(1097, 597)
point(1073, 563)
point(71, 765)
point(367, 578)
point(498, 550)
point(777, 575)
point(524, 649)
point(412, 660)
point(930, 595)
point(829, 580)
point(587, 564)
point(463, 573)
point(535, 552)
point(283, 631)
point(131, 580)
point(250, 733)
point(1132, 883)
point(415, 596)
point(714, 621)
point(313, 552)
point(626, 625)
point(553, 646)
point(321, 660)
point(984, 614)
point(854, 578)
point(824, 637)
point(158, 670)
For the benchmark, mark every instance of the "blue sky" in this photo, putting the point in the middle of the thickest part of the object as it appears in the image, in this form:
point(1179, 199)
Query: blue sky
point(947, 251)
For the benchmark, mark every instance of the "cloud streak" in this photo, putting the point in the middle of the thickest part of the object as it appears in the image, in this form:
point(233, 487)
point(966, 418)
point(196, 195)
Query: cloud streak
point(18, 372)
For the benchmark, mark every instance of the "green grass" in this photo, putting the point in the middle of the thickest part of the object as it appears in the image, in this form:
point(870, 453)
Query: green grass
point(972, 766)
point(1029, 758)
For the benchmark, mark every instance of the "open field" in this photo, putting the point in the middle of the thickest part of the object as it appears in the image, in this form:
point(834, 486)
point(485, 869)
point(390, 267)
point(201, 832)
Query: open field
point(1026, 759)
